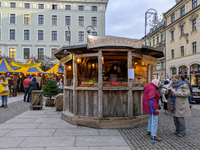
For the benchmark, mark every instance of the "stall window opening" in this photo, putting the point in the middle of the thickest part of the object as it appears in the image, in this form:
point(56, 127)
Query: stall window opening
point(141, 72)
point(87, 71)
point(114, 66)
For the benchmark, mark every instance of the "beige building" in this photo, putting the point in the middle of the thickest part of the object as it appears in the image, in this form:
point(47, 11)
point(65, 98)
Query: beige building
point(156, 38)
point(182, 40)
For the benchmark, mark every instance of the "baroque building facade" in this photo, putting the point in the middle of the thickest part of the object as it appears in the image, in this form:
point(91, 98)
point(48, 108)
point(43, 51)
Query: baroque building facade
point(182, 40)
point(32, 28)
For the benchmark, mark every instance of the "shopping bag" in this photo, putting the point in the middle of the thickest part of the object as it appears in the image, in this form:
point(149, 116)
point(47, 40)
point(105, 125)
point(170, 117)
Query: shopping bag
point(1, 88)
point(5, 88)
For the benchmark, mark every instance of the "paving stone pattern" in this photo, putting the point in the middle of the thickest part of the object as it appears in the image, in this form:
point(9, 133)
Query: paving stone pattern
point(138, 139)
point(13, 110)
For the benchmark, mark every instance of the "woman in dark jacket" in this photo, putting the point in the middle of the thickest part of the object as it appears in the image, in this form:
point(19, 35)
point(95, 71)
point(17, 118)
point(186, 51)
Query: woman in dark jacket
point(33, 85)
point(151, 93)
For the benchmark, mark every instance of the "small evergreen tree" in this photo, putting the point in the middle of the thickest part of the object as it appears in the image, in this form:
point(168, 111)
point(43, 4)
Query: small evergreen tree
point(51, 88)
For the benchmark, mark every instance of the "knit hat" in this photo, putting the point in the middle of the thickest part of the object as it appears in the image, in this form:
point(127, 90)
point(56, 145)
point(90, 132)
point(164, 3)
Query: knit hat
point(155, 82)
point(30, 77)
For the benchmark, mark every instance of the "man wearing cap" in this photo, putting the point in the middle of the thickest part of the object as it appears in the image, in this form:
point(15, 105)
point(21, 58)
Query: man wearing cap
point(26, 84)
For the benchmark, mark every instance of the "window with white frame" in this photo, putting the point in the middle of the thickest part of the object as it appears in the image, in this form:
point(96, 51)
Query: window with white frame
point(182, 30)
point(12, 53)
point(54, 19)
point(81, 36)
point(67, 7)
point(40, 52)
point(182, 51)
point(12, 18)
point(67, 20)
point(26, 19)
point(157, 39)
point(12, 5)
point(40, 19)
point(67, 35)
point(81, 8)
point(26, 34)
point(0, 4)
point(173, 18)
point(182, 11)
point(194, 3)
point(40, 35)
point(194, 25)
point(54, 35)
point(54, 7)
point(41, 6)
point(172, 53)
point(0, 34)
point(172, 35)
point(0, 18)
point(27, 5)
point(12, 34)
point(94, 21)
point(162, 37)
point(52, 53)
point(26, 53)
point(194, 47)
point(81, 20)
point(94, 8)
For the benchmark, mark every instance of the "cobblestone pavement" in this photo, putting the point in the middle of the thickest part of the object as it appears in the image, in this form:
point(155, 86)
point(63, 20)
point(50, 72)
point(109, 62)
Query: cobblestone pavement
point(14, 109)
point(138, 139)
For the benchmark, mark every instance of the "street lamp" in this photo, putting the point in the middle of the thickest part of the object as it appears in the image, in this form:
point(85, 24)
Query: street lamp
point(89, 31)
point(69, 34)
point(148, 14)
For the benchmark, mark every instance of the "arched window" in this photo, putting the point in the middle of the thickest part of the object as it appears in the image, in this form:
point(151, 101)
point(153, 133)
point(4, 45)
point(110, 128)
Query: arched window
point(174, 71)
point(182, 70)
point(195, 67)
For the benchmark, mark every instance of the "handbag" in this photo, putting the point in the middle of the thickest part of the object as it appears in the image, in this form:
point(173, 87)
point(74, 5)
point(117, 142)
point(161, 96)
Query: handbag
point(6, 88)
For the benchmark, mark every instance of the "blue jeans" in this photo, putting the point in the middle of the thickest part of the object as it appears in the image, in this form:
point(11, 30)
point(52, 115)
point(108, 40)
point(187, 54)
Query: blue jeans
point(26, 92)
point(29, 97)
point(4, 100)
point(155, 124)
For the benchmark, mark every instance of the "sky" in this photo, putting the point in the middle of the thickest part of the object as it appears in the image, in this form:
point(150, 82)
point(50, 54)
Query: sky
point(126, 18)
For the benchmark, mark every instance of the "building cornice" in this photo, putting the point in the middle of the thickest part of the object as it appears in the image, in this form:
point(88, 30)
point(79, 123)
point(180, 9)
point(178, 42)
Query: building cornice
point(183, 17)
point(168, 13)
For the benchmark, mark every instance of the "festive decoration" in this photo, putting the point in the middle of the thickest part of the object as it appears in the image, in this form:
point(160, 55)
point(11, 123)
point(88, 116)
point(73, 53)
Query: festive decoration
point(25, 65)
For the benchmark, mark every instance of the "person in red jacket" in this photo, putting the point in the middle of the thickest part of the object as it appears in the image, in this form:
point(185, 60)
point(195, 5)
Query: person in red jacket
point(151, 93)
point(26, 84)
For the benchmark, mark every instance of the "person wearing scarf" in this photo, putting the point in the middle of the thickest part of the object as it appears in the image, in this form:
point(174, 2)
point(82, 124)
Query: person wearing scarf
point(180, 93)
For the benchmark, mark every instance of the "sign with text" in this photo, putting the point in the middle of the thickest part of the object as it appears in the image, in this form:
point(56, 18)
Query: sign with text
point(131, 73)
point(150, 60)
point(102, 41)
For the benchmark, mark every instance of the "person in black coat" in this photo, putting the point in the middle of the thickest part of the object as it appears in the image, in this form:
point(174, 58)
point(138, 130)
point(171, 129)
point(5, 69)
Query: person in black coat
point(113, 74)
point(33, 85)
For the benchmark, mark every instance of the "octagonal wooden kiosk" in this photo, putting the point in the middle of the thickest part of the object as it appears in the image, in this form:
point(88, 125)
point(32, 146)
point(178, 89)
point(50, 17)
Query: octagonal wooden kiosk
point(95, 95)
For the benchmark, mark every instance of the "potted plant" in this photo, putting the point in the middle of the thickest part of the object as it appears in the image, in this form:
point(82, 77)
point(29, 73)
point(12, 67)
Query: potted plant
point(51, 89)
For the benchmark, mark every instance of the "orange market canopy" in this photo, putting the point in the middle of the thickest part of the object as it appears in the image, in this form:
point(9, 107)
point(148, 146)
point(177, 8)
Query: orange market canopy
point(5, 67)
point(58, 68)
point(33, 70)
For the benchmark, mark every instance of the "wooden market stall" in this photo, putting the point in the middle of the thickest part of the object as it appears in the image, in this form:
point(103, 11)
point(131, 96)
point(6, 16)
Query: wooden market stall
point(103, 81)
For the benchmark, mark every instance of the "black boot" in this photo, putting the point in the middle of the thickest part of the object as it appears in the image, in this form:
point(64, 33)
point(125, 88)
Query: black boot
point(1, 106)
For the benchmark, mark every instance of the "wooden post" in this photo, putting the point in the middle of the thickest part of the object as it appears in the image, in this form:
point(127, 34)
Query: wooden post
point(130, 95)
point(64, 90)
point(100, 93)
point(149, 73)
point(74, 85)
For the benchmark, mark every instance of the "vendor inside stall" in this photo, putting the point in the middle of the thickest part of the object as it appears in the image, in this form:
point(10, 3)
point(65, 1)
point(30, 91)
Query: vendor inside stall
point(113, 74)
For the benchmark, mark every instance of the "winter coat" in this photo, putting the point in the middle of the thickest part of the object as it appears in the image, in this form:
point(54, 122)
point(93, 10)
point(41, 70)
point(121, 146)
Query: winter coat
point(163, 90)
point(189, 85)
point(5, 83)
point(182, 108)
point(151, 93)
point(33, 85)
